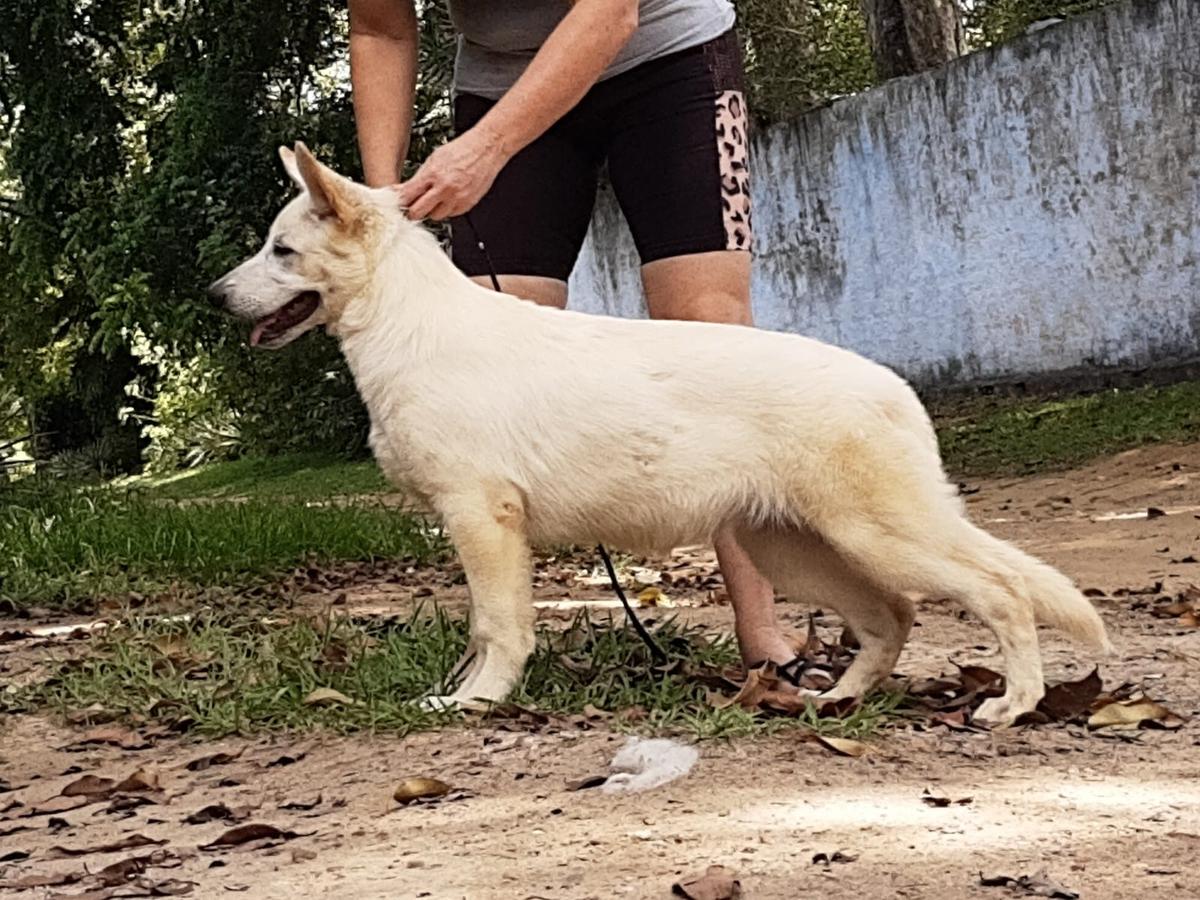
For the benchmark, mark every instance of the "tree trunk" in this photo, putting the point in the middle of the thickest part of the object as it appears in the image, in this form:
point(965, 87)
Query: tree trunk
point(910, 36)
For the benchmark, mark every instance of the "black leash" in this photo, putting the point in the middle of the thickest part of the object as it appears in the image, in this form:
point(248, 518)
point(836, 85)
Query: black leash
point(656, 651)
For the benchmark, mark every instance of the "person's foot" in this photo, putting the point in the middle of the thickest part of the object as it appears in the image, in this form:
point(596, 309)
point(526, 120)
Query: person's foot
point(764, 644)
point(753, 599)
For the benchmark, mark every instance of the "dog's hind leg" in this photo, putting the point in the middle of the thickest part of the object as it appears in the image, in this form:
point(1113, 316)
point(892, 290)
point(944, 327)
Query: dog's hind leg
point(806, 568)
point(946, 556)
point(487, 527)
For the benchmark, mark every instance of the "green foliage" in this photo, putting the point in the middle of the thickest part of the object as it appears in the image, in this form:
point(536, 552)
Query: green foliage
point(67, 546)
point(226, 673)
point(996, 21)
point(1040, 434)
point(802, 54)
point(137, 162)
point(298, 476)
point(141, 163)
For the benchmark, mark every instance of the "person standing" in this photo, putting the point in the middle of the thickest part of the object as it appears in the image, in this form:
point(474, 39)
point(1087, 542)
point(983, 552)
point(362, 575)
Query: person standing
point(546, 93)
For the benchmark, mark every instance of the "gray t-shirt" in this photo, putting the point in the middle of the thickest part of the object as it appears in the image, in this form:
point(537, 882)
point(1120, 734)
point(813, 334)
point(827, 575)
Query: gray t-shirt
point(498, 38)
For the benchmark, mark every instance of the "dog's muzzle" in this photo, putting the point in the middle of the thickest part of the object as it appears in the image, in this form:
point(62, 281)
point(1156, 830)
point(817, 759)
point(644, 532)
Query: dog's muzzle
point(218, 292)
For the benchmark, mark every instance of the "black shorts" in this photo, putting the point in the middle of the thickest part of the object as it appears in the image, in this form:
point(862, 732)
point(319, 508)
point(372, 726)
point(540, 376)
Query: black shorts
point(673, 134)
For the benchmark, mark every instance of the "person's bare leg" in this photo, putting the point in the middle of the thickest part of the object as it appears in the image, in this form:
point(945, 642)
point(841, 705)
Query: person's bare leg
point(715, 287)
point(758, 633)
point(542, 291)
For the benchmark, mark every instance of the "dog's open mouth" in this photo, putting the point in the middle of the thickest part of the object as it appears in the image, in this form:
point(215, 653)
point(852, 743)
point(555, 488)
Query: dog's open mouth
point(274, 326)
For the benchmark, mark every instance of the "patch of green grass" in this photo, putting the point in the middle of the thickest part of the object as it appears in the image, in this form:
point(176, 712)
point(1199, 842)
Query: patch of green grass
point(228, 673)
point(297, 476)
point(1038, 435)
point(59, 546)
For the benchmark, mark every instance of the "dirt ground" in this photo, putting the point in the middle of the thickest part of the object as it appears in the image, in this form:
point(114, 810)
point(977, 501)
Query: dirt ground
point(1103, 814)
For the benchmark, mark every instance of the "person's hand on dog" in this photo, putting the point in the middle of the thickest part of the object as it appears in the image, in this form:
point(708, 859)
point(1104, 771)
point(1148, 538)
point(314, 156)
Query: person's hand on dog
point(454, 177)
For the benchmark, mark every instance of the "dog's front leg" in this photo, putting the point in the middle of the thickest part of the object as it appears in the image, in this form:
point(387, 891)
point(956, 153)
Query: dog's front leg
point(487, 527)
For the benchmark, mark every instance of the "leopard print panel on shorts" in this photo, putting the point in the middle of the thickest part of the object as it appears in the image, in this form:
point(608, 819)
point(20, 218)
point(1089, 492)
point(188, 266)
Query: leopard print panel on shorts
point(733, 154)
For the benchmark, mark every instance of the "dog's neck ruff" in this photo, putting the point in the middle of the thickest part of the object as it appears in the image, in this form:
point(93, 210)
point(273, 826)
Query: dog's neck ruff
point(402, 317)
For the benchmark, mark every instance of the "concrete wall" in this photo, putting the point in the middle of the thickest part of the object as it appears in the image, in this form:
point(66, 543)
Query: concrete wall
point(1029, 209)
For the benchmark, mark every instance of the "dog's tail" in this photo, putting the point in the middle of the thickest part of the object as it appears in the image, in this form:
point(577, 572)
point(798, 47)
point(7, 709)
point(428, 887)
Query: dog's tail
point(1057, 602)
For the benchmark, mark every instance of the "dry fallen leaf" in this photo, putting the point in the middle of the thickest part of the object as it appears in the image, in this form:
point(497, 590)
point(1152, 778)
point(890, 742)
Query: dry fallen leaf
point(761, 691)
point(125, 869)
point(301, 805)
point(1133, 713)
point(717, 883)
point(418, 788)
point(88, 786)
point(37, 881)
point(59, 805)
point(126, 805)
point(525, 715)
point(125, 843)
point(825, 859)
point(1031, 885)
point(955, 721)
point(113, 735)
point(981, 679)
point(142, 779)
point(284, 760)
point(842, 746)
point(171, 887)
point(1063, 702)
point(244, 834)
point(588, 781)
point(213, 759)
point(138, 887)
point(328, 697)
point(632, 714)
point(95, 714)
point(219, 812)
point(930, 799)
point(653, 596)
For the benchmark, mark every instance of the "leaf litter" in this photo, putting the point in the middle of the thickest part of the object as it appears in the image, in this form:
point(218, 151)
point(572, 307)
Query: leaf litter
point(1038, 885)
point(213, 759)
point(417, 788)
point(219, 812)
point(948, 700)
point(1184, 608)
point(128, 842)
point(935, 800)
point(260, 834)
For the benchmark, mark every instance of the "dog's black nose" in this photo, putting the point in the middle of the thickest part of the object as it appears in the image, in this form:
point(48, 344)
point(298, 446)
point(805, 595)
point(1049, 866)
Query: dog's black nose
point(216, 293)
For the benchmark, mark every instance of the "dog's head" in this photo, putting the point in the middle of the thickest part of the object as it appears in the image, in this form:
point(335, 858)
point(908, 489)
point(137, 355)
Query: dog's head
point(315, 261)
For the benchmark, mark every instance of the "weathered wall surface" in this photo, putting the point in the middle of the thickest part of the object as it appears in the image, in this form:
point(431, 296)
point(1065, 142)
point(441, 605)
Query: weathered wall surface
point(1029, 209)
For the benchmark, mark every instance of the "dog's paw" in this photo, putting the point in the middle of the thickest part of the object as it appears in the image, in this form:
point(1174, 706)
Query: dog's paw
point(452, 703)
point(998, 712)
point(435, 703)
point(834, 695)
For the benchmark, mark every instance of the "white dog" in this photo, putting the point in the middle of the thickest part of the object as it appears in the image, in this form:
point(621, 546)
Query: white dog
point(522, 425)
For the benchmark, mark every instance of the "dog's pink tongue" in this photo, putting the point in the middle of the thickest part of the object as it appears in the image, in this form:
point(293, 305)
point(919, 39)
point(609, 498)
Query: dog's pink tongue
point(259, 328)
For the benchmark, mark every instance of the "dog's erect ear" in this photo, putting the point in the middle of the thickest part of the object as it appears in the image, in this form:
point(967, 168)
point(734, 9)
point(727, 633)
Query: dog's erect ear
point(289, 163)
point(326, 190)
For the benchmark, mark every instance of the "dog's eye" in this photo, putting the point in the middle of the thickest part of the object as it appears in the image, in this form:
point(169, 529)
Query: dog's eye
point(282, 250)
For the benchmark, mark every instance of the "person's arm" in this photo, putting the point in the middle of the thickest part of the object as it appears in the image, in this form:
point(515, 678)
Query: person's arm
point(383, 75)
point(574, 56)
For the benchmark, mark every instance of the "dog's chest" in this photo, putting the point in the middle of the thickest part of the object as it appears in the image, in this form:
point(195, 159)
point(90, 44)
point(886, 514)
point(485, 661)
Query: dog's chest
point(397, 462)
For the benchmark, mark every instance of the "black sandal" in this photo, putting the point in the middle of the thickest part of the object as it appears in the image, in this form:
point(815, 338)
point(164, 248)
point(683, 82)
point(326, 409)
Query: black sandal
point(790, 671)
